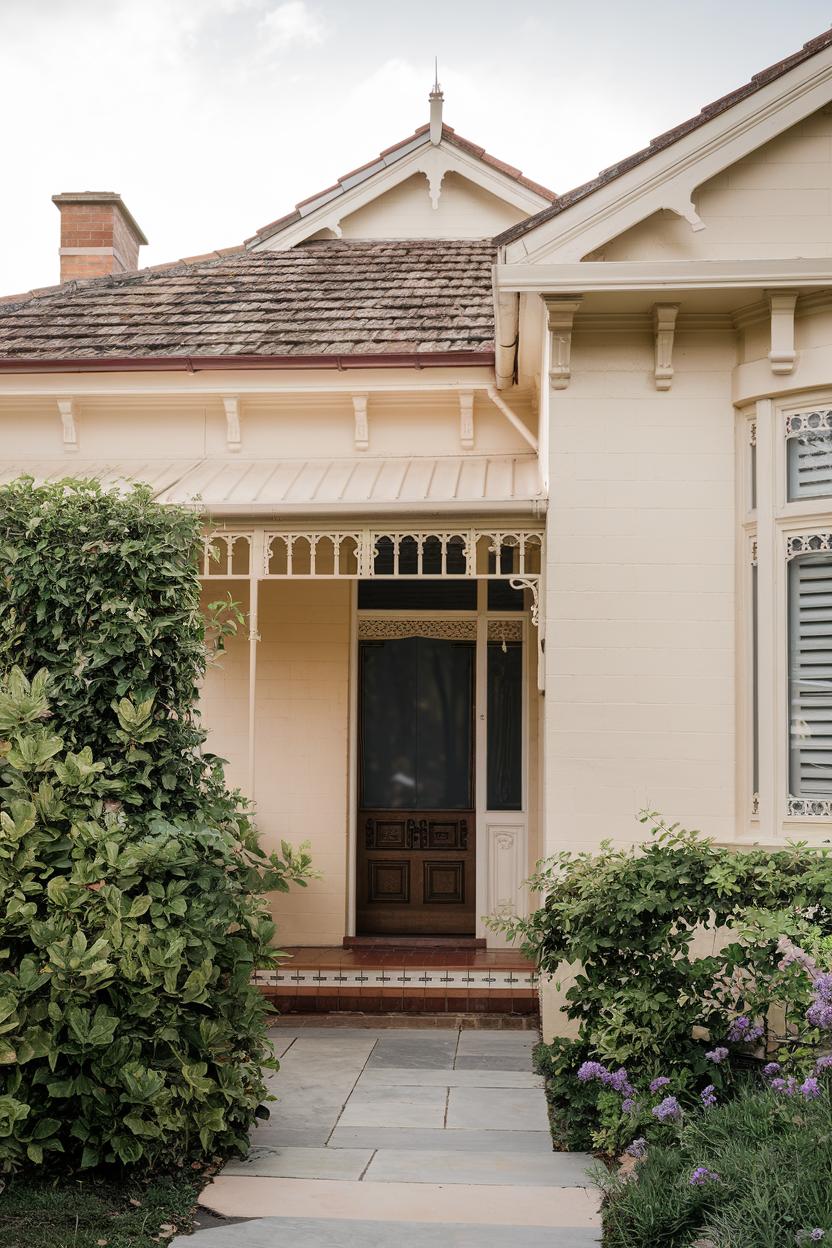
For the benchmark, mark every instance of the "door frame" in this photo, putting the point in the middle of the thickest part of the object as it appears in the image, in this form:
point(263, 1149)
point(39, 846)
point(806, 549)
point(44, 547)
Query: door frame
point(492, 827)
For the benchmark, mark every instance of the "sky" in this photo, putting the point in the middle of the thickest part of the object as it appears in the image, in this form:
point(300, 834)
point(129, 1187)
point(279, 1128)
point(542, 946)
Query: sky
point(214, 117)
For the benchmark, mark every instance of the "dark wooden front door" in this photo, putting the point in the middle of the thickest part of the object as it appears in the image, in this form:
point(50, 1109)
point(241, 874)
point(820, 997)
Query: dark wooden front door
point(416, 820)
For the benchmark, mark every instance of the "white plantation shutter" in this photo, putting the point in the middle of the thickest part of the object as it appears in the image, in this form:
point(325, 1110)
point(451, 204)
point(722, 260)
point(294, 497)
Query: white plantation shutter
point(810, 455)
point(810, 676)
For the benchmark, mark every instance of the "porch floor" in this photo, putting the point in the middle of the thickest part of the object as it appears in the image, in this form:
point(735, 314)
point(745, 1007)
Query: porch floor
point(413, 1138)
point(398, 980)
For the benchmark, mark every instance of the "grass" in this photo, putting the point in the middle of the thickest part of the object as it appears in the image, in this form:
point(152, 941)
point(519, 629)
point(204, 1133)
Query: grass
point(98, 1210)
point(773, 1155)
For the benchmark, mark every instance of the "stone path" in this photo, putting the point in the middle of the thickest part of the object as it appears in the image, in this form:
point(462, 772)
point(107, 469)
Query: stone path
point(410, 1138)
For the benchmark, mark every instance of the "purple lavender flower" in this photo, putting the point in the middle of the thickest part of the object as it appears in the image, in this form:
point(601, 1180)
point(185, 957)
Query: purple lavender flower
point(638, 1148)
point(668, 1110)
point(618, 1080)
point(819, 1013)
point(591, 1070)
point(717, 1055)
point(707, 1096)
point(823, 1063)
point(816, 1234)
point(703, 1175)
point(742, 1031)
point(810, 1088)
point(628, 1105)
point(810, 1237)
point(771, 1069)
point(657, 1084)
point(787, 1086)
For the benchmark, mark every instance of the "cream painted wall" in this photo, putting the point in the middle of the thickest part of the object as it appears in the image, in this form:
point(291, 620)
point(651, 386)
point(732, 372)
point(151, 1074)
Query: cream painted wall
point(639, 707)
point(302, 737)
point(291, 427)
point(464, 210)
point(775, 202)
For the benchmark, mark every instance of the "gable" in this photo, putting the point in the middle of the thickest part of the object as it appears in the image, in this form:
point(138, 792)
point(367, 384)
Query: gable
point(775, 202)
point(434, 184)
point(681, 167)
point(463, 210)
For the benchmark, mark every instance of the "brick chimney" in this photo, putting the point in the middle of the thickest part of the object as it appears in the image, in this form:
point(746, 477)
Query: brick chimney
point(99, 235)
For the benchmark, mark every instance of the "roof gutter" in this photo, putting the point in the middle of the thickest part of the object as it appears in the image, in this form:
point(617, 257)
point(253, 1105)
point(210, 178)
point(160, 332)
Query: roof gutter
point(206, 363)
point(535, 507)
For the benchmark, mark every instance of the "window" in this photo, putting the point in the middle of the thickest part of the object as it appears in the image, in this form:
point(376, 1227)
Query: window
point(505, 726)
point(810, 675)
point(787, 595)
point(809, 456)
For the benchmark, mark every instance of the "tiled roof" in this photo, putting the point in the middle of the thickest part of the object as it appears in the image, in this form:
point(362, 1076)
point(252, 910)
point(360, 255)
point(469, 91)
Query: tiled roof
point(714, 109)
point(388, 157)
point(338, 298)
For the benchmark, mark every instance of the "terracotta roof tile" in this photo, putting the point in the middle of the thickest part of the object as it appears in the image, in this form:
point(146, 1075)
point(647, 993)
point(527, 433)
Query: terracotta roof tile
point(328, 298)
point(669, 137)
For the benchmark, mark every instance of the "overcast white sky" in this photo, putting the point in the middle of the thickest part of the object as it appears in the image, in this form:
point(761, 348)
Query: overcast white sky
point(213, 117)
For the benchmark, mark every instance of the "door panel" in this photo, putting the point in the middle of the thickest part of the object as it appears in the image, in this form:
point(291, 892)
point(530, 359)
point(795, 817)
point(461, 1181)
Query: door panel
point(416, 784)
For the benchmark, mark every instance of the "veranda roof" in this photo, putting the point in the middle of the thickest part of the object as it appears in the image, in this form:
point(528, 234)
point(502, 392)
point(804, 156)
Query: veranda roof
point(324, 486)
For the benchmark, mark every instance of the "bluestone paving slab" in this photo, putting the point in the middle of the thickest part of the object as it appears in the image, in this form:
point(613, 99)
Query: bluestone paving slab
point(497, 1166)
point(478, 1077)
point(275, 1135)
point(477, 1042)
point(494, 1061)
point(395, 1107)
point(334, 1233)
point(426, 1051)
point(490, 1109)
point(303, 1163)
point(429, 1139)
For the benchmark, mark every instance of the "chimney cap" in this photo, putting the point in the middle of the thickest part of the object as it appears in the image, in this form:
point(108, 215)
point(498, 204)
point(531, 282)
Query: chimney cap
point(102, 197)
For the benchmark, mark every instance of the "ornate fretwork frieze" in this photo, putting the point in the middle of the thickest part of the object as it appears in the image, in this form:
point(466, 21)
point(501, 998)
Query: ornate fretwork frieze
point(505, 630)
point(393, 629)
point(801, 424)
point(809, 808)
point(807, 544)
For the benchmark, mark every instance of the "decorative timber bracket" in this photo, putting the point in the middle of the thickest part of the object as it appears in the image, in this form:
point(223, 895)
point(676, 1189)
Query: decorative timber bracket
point(233, 438)
point(560, 312)
point(782, 355)
point(362, 424)
point(664, 329)
point(66, 411)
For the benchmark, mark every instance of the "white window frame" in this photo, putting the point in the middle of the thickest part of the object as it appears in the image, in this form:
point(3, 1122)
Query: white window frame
point(767, 529)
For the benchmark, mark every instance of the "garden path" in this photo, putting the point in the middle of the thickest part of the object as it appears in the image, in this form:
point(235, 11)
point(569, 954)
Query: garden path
point(410, 1137)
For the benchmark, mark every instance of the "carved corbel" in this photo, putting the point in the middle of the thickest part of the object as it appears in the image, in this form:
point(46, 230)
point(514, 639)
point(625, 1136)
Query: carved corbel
point(362, 424)
point(561, 315)
point(782, 355)
point(466, 419)
point(233, 438)
point(664, 328)
point(66, 411)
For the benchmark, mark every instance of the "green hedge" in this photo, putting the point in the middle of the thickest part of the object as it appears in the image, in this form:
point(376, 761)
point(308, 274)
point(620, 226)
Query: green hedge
point(131, 880)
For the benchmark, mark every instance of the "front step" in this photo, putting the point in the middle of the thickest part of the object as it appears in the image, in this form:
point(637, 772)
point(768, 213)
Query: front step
point(402, 981)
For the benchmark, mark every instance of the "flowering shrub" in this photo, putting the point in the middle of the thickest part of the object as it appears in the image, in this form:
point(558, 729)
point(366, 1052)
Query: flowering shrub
point(643, 998)
point(750, 1173)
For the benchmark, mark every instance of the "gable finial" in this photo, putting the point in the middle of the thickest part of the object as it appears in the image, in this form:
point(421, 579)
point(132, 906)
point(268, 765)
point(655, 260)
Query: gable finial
point(436, 98)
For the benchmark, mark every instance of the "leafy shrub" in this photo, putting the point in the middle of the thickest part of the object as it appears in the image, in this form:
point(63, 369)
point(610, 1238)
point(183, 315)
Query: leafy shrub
point(642, 996)
point(752, 1173)
point(131, 879)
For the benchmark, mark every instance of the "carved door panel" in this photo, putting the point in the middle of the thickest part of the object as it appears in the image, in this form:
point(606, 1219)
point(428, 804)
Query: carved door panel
point(416, 855)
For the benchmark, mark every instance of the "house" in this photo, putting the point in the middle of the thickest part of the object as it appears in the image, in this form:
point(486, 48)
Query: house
point(528, 496)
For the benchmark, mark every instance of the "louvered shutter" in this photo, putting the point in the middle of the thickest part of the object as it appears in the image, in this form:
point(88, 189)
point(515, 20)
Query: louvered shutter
point(810, 676)
point(810, 465)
